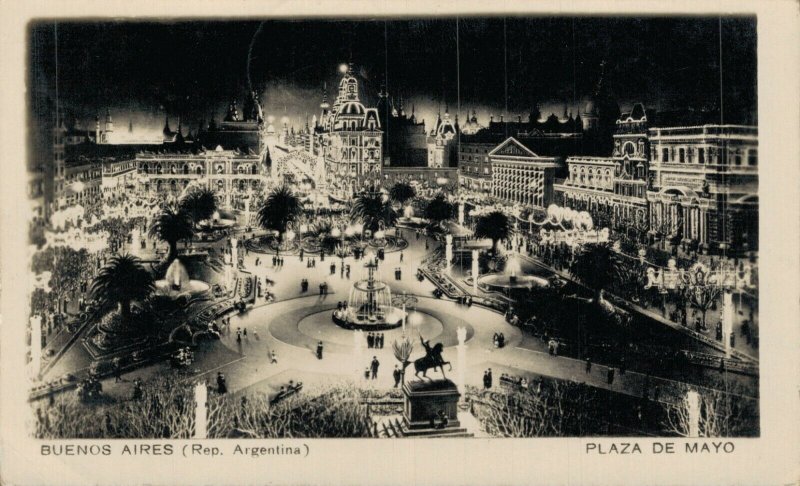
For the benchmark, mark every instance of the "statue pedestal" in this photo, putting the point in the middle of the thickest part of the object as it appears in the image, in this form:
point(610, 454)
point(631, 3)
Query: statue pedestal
point(425, 399)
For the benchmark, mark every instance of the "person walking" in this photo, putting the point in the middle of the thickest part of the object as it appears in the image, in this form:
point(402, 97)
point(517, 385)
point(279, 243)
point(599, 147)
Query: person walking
point(610, 376)
point(588, 365)
point(222, 386)
point(370, 340)
point(397, 375)
point(319, 350)
point(487, 379)
point(366, 373)
point(374, 367)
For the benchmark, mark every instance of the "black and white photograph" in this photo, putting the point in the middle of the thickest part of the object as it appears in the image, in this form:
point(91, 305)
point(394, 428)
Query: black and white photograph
point(465, 227)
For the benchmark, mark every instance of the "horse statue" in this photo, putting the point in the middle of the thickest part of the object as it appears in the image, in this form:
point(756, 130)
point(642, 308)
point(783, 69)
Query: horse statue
point(432, 359)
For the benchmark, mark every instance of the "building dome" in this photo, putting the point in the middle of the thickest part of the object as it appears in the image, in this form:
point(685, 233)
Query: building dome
point(352, 108)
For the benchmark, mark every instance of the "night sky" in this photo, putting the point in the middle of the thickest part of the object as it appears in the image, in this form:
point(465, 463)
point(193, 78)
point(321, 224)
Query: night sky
point(143, 71)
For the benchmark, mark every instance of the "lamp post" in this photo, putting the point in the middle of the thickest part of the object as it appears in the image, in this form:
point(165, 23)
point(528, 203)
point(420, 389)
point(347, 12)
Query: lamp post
point(461, 332)
point(475, 271)
point(448, 251)
point(727, 320)
point(200, 411)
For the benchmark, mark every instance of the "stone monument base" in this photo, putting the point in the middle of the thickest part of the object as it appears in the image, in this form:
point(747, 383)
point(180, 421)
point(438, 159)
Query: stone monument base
point(427, 400)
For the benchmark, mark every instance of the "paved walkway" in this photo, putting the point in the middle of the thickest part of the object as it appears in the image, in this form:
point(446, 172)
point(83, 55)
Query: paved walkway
point(248, 367)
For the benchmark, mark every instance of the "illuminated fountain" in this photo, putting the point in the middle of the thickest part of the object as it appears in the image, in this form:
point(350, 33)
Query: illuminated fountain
point(511, 279)
point(369, 306)
point(217, 222)
point(176, 282)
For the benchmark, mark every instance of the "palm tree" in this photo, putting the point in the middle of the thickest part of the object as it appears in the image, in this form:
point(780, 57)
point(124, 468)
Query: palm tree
point(439, 209)
point(171, 226)
point(121, 281)
point(596, 266)
point(199, 204)
point(402, 192)
point(494, 225)
point(281, 208)
point(372, 209)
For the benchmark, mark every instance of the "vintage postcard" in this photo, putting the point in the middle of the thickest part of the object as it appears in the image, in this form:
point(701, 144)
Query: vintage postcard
point(295, 245)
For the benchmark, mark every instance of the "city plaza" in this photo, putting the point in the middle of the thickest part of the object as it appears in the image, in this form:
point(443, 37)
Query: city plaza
point(253, 297)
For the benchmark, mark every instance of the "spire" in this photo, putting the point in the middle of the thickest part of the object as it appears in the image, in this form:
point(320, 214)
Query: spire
point(325, 105)
point(166, 125)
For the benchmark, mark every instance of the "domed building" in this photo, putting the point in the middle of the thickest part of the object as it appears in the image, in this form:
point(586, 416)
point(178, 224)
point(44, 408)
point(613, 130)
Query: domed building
point(349, 135)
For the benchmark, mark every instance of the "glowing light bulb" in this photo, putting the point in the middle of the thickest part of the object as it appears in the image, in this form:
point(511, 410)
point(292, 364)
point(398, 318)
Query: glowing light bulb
point(343, 68)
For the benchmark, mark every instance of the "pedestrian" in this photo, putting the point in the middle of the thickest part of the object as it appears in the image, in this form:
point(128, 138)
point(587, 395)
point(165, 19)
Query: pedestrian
point(366, 373)
point(380, 341)
point(397, 375)
point(487, 379)
point(374, 367)
point(222, 386)
point(610, 376)
point(238, 335)
point(401, 257)
point(319, 350)
point(333, 268)
point(274, 261)
point(273, 357)
point(320, 289)
point(117, 370)
point(244, 332)
point(370, 340)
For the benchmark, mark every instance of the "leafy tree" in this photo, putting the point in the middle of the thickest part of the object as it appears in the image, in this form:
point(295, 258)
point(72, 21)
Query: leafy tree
point(494, 225)
point(121, 281)
point(597, 266)
point(702, 298)
point(401, 192)
point(372, 209)
point(171, 226)
point(199, 204)
point(281, 208)
point(439, 210)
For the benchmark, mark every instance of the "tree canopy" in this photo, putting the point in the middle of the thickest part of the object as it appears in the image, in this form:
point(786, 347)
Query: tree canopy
point(494, 225)
point(402, 192)
point(281, 208)
point(171, 226)
point(199, 204)
point(121, 281)
point(372, 209)
point(439, 209)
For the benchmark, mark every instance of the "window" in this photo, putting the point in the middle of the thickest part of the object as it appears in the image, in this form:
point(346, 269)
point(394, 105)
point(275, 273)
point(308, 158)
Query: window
point(682, 155)
point(665, 155)
point(752, 157)
point(701, 155)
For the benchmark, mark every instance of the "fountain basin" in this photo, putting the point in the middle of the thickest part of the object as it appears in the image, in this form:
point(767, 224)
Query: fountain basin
point(386, 318)
point(501, 282)
point(176, 283)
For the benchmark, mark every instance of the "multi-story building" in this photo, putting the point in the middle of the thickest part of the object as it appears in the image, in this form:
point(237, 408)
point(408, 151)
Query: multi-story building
point(229, 173)
point(404, 138)
point(350, 135)
point(520, 176)
point(443, 142)
point(613, 189)
point(119, 176)
point(704, 185)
